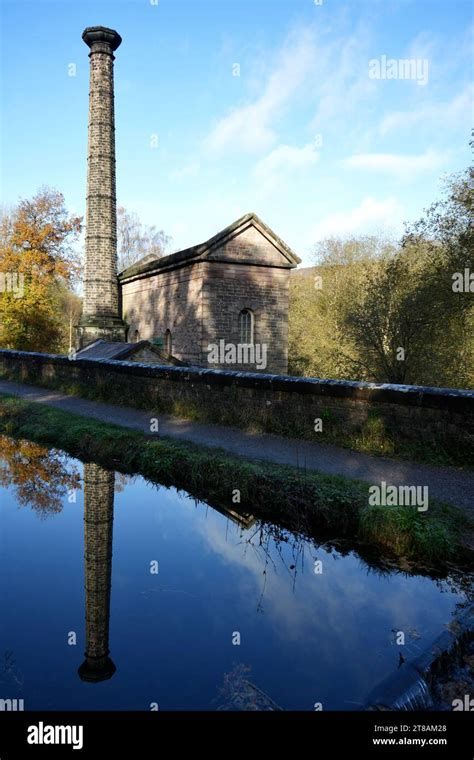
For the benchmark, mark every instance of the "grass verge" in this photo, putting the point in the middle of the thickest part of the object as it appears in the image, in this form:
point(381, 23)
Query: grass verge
point(299, 500)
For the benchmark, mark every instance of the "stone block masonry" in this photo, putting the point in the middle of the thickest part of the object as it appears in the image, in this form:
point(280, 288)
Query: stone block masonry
point(100, 318)
point(198, 296)
point(205, 300)
point(274, 403)
point(98, 528)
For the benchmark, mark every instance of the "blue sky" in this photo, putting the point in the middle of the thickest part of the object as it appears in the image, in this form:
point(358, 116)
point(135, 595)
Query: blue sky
point(304, 136)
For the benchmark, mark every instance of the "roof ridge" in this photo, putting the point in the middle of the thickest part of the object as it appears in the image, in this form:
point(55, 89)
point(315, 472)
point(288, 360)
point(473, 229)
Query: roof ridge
point(187, 254)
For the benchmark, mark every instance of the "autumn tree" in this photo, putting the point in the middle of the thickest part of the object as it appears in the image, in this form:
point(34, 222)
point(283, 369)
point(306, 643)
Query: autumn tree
point(40, 478)
point(37, 261)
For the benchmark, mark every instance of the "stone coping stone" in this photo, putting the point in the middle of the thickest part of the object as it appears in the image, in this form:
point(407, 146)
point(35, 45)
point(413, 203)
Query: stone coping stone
point(452, 399)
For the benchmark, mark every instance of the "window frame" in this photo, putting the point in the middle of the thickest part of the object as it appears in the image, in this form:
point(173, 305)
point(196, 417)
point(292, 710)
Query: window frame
point(168, 342)
point(249, 326)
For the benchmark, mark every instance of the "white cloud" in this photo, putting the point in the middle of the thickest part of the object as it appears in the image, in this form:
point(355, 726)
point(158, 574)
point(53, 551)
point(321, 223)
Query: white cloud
point(423, 46)
point(190, 170)
point(285, 158)
point(440, 115)
point(325, 64)
point(370, 216)
point(252, 127)
point(398, 165)
point(341, 83)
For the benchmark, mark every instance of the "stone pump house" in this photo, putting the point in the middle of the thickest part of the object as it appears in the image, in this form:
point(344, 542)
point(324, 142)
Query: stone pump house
point(222, 304)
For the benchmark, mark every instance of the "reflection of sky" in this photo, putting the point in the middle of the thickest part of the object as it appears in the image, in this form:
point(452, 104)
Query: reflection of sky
point(322, 637)
point(347, 610)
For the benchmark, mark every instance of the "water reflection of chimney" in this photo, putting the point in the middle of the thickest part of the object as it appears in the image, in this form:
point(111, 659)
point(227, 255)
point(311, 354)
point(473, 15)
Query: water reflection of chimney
point(98, 526)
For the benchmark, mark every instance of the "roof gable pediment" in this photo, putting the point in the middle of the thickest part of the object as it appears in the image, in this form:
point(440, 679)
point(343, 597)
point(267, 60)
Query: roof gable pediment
point(247, 240)
point(251, 241)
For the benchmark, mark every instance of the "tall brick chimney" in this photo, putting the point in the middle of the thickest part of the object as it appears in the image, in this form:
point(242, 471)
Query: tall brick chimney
point(101, 316)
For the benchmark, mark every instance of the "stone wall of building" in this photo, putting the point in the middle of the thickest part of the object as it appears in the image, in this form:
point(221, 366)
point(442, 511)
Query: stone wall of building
point(168, 301)
point(200, 304)
point(230, 288)
point(286, 405)
point(249, 246)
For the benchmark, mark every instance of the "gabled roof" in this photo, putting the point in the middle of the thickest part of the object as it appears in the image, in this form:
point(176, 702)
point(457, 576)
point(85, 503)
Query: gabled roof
point(116, 350)
point(201, 251)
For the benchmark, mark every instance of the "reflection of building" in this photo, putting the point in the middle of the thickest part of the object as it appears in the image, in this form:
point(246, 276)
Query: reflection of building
point(98, 524)
point(243, 519)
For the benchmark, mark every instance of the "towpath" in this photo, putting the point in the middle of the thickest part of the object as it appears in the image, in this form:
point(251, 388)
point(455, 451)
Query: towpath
point(446, 483)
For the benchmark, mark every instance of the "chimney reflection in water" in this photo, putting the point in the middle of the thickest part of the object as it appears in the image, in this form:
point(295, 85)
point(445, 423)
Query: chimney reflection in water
point(98, 528)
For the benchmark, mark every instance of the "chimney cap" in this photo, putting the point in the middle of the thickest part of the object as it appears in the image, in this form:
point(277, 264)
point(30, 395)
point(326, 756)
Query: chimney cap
point(101, 34)
point(96, 669)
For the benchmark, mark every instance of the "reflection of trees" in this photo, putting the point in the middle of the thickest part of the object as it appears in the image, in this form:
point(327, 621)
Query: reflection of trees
point(268, 539)
point(10, 676)
point(239, 693)
point(39, 476)
point(123, 480)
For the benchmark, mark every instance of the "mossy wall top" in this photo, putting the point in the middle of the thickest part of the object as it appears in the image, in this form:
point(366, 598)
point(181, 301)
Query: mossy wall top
point(277, 403)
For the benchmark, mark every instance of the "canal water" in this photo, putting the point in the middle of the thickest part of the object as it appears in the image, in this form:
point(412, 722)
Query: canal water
point(118, 594)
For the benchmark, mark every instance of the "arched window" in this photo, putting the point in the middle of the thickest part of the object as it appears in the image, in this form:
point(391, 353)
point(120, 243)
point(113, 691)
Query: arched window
point(246, 326)
point(168, 342)
point(136, 336)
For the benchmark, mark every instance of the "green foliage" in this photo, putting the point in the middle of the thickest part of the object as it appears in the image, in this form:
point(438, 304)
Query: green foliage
point(406, 531)
point(374, 437)
point(310, 502)
point(377, 297)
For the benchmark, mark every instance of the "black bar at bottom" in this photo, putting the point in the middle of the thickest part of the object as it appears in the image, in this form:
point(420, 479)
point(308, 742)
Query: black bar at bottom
point(378, 734)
